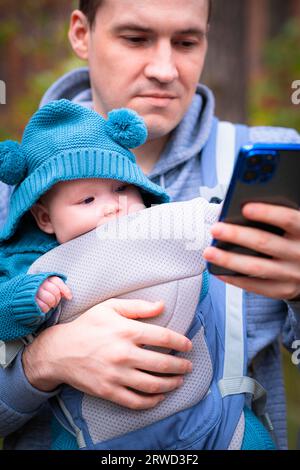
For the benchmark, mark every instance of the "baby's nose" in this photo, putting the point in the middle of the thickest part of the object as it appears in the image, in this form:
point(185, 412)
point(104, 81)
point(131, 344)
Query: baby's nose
point(111, 209)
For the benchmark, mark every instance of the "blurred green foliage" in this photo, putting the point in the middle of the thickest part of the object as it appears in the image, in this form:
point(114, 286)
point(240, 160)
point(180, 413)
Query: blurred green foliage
point(35, 51)
point(270, 94)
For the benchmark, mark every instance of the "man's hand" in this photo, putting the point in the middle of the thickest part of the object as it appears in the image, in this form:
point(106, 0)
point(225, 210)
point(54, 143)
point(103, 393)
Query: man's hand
point(278, 278)
point(100, 353)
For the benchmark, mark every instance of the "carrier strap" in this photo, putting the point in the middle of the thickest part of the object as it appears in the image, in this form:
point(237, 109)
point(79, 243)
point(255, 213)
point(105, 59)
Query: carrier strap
point(79, 434)
point(243, 384)
point(225, 152)
point(234, 327)
point(234, 381)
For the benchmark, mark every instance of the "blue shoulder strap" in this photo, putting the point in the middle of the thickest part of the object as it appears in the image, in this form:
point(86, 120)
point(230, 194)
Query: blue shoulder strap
point(229, 138)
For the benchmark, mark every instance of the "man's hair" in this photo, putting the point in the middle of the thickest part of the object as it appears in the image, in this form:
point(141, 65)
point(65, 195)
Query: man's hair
point(90, 7)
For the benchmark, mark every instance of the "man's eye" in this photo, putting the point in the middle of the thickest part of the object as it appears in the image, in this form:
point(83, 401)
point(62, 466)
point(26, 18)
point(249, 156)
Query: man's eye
point(185, 44)
point(135, 39)
point(88, 200)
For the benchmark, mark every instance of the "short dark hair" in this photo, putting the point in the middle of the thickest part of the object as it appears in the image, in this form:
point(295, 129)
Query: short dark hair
point(90, 7)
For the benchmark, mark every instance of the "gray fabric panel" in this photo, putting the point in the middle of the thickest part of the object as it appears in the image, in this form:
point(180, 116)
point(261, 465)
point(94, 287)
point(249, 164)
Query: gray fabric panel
point(237, 439)
point(107, 420)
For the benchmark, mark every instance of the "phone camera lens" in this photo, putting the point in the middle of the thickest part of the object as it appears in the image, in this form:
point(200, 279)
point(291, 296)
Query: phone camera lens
point(250, 176)
point(253, 161)
point(267, 168)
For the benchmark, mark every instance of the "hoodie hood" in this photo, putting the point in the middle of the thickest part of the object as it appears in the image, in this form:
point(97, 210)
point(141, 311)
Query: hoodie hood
point(186, 141)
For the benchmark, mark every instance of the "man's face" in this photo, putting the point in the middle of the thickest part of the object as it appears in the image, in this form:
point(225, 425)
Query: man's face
point(148, 55)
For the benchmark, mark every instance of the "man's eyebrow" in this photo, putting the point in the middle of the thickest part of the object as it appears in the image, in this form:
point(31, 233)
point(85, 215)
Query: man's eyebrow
point(192, 32)
point(131, 27)
point(143, 29)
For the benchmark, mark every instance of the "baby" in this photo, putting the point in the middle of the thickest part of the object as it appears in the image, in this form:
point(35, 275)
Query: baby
point(73, 172)
point(73, 208)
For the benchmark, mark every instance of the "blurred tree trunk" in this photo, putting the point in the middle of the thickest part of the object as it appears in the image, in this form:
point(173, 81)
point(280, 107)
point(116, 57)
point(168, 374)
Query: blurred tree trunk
point(257, 12)
point(239, 31)
point(10, 64)
point(295, 8)
point(225, 70)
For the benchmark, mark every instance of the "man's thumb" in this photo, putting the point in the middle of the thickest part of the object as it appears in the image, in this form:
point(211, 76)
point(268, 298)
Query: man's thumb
point(135, 308)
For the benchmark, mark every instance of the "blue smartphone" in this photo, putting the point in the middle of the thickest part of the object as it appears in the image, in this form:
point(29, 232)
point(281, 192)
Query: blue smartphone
point(268, 173)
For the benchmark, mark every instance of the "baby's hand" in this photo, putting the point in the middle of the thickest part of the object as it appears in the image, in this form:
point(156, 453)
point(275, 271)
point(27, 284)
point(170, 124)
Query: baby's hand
point(51, 292)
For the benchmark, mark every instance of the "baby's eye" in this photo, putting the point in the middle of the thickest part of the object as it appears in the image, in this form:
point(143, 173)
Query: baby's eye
point(122, 188)
point(88, 200)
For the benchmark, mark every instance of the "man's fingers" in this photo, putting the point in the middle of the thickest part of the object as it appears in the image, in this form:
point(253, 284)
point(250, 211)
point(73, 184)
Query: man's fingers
point(153, 335)
point(273, 289)
point(135, 308)
point(130, 399)
point(282, 217)
point(253, 266)
point(143, 382)
point(161, 363)
point(258, 240)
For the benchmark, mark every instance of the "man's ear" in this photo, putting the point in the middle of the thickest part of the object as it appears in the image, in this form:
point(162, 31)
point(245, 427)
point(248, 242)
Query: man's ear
point(42, 218)
point(79, 34)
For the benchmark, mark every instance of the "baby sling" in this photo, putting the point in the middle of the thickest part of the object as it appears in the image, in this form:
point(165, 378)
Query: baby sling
point(159, 250)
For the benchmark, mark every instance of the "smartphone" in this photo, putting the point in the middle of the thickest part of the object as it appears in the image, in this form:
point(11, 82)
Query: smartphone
point(268, 173)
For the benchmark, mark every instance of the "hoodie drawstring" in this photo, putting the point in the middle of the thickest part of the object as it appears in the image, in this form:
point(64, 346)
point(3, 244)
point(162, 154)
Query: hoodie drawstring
point(162, 182)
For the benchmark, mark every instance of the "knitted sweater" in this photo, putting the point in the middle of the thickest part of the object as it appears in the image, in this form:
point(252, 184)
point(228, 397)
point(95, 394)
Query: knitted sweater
point(20, 315)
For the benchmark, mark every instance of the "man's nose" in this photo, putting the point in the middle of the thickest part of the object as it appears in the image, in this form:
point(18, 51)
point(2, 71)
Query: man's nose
point(161, 65)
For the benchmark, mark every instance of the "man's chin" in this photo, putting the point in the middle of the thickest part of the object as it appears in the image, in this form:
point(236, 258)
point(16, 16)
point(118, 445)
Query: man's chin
point(158, 127)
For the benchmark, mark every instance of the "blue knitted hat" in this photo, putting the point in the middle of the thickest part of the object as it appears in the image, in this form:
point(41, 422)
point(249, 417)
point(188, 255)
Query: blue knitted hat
point(65, 141)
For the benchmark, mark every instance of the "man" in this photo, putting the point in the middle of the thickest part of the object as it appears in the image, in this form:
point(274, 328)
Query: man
point(148, 55)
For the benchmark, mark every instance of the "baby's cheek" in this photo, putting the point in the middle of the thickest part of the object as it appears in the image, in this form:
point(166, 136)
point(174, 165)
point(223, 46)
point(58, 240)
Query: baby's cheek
point(135, 207)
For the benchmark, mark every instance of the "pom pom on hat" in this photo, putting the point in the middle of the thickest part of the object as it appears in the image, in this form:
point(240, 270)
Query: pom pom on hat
point(126, 128)
point(12, 163)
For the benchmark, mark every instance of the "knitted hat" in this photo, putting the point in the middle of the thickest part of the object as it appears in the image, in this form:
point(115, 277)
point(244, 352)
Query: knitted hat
point(65, 141)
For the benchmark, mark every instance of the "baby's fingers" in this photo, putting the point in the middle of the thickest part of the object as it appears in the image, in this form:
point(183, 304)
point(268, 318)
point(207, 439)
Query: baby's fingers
point(64, 290)
point(43, 306)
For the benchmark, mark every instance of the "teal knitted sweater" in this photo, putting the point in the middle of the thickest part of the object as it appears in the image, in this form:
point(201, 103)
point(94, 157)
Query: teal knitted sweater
point(20, 315)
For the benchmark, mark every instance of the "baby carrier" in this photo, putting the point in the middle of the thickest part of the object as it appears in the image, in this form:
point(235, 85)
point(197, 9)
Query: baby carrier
point(160, 250)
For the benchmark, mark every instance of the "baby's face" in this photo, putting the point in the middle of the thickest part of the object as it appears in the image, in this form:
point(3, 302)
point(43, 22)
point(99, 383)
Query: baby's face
point(76, 207)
